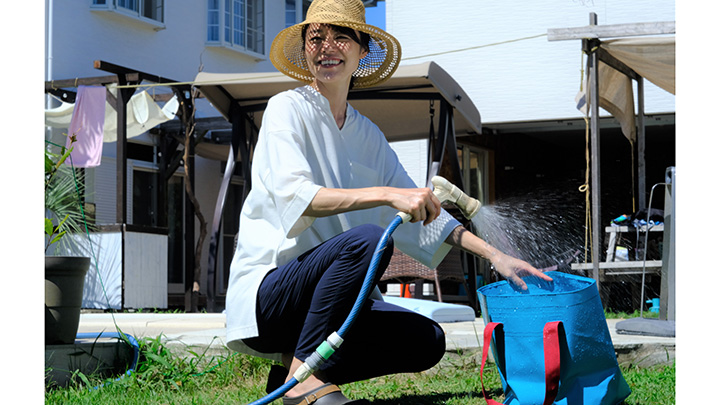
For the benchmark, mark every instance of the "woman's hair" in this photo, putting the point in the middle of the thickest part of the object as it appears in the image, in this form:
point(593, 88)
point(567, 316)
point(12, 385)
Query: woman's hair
point(363, 41)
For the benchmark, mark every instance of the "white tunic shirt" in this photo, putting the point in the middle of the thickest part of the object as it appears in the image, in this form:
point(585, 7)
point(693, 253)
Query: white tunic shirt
point(300, 150)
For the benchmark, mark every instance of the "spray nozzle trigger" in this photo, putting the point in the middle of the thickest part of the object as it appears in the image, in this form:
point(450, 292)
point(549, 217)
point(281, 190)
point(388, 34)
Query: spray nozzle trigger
point(448, 192)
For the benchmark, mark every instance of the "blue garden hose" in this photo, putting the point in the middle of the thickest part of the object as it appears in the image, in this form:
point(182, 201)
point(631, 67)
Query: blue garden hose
point(327, 348)
point(129, 339)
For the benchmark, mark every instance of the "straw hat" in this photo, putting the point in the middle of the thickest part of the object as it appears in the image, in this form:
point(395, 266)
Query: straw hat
point(287, 54)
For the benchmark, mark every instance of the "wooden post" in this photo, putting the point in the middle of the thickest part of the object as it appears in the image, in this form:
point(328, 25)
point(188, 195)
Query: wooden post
point(121, 158)
point(190, 298)
point(595, 159)
point(642, 186)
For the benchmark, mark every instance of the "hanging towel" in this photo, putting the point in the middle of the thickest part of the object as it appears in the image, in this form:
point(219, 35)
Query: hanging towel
point(86, 125)
point(143, 114)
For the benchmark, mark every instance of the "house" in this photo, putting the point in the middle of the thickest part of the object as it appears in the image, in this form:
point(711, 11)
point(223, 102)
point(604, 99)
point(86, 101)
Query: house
point(173, 40)
point(523, 85)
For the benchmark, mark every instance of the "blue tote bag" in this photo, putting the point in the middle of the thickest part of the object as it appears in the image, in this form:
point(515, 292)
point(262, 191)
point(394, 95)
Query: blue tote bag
point(551, 343)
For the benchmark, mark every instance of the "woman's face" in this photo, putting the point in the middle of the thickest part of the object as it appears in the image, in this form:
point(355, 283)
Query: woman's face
point(332, 56)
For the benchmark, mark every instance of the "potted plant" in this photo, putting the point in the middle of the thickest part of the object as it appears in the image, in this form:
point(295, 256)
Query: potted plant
point(64, 275)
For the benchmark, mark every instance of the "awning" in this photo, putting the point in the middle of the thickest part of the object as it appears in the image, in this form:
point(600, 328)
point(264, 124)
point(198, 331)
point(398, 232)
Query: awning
point(652, 58)
point(406, 120)
point(401, 107)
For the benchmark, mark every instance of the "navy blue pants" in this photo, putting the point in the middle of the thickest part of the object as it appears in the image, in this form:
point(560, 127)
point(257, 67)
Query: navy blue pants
point(302, 302)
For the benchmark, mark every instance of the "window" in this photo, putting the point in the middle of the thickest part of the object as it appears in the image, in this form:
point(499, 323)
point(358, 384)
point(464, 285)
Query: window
point(237, 23)
point(230, 228)
point(295, 11)
point(474, 166)
point(149, 9)
point(291, 14)
point(175, 220)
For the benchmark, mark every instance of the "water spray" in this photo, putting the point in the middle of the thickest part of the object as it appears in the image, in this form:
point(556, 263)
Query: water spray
point(445, 192)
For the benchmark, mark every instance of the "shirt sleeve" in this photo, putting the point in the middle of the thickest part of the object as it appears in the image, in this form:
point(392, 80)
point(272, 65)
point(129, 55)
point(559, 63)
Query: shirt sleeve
point(285, 171)
point(425, 244)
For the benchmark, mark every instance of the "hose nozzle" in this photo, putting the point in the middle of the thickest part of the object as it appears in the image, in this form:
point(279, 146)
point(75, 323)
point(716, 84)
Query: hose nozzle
point(448, 192)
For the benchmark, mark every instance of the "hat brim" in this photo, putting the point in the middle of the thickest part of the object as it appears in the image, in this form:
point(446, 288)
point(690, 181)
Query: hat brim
point(383, 58)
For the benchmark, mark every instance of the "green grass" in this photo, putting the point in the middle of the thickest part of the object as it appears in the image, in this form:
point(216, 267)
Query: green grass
point(626, 315)
point(165, 377)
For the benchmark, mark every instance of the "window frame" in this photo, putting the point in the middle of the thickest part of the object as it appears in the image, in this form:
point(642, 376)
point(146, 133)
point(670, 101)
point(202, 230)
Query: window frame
point(232, 29)
point(481, 189)
point(135, 12)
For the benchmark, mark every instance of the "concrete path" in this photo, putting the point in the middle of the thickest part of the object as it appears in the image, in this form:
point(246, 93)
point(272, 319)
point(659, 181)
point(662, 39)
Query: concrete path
point(207, 331)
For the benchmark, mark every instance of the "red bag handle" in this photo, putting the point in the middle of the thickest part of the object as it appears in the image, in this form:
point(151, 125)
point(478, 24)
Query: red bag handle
point(487, 340)
point(551, 347)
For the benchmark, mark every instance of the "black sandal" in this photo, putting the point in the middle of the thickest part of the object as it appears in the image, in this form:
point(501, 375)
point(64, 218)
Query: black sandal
point(326, 394)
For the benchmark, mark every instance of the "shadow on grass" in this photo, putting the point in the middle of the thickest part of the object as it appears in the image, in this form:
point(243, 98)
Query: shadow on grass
point(439, 398)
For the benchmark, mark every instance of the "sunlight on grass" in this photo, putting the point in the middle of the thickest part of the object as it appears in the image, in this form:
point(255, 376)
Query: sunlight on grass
point(165, 377)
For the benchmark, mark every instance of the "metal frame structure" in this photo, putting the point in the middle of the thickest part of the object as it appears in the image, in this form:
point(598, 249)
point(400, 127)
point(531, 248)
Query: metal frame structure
point(170, 158)
point(241, 98)
point(590, 36)
point(399, 106)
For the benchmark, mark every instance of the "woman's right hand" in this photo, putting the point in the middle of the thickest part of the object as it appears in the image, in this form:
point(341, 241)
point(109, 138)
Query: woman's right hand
point(420, 203)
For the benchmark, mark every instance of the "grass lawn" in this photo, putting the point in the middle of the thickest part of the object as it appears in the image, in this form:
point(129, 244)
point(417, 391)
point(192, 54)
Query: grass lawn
point(166, 378)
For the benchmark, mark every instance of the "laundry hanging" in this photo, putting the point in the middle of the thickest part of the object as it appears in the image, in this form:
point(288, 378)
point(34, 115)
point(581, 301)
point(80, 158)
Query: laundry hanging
point(86, 127)
point(143, 114)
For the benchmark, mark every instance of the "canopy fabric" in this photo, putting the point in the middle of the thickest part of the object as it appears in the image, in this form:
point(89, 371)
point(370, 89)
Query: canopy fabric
point(404, 119)
point(143, 114)
point(215, 151)
point(652, 58)
point(616, 97)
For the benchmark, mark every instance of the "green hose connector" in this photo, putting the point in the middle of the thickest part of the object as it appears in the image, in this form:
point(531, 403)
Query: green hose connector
point(325, 350)
point(319, 356)
point(328, 347)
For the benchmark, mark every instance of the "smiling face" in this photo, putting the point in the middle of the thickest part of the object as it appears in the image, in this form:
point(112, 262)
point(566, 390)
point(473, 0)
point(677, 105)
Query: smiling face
point(332, 55)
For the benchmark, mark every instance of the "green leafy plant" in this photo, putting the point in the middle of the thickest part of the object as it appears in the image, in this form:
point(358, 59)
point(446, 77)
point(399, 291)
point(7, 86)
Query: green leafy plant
point(63, 207)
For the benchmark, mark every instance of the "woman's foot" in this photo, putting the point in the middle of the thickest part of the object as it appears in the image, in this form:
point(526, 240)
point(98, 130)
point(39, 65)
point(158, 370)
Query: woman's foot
point(326, 394)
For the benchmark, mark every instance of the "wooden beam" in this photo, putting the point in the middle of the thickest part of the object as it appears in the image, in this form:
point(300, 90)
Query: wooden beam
point(80, 81)
point(616, 64)
point(201, 125)
point(140, 76)
point(611, 30)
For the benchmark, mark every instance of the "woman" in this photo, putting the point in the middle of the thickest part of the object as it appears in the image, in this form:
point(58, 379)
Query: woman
point(325, 183)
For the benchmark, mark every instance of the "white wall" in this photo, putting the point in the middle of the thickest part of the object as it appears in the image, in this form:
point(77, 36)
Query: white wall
point(526, 80)
point(81, 35)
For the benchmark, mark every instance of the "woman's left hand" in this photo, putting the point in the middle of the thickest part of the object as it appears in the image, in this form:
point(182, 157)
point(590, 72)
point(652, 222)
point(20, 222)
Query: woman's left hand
point(514, 269)
point(509, 267)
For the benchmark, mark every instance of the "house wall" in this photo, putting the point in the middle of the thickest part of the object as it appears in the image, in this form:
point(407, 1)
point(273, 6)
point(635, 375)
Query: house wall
point(529, 79)
point(515, 75)
point(524, 87)
point(511, 81)
point(81, 35)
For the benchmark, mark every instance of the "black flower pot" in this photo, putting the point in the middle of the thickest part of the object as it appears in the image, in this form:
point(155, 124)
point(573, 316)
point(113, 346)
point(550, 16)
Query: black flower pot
point(64, 283)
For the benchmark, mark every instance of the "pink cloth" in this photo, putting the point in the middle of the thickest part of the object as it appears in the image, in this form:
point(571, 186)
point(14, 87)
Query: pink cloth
point(87, 124)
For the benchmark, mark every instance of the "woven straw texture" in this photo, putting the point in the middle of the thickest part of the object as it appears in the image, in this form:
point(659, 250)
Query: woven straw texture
point(287, 55)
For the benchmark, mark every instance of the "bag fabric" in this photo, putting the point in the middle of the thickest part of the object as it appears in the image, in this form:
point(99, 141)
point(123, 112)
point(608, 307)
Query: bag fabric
point(563, 318)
